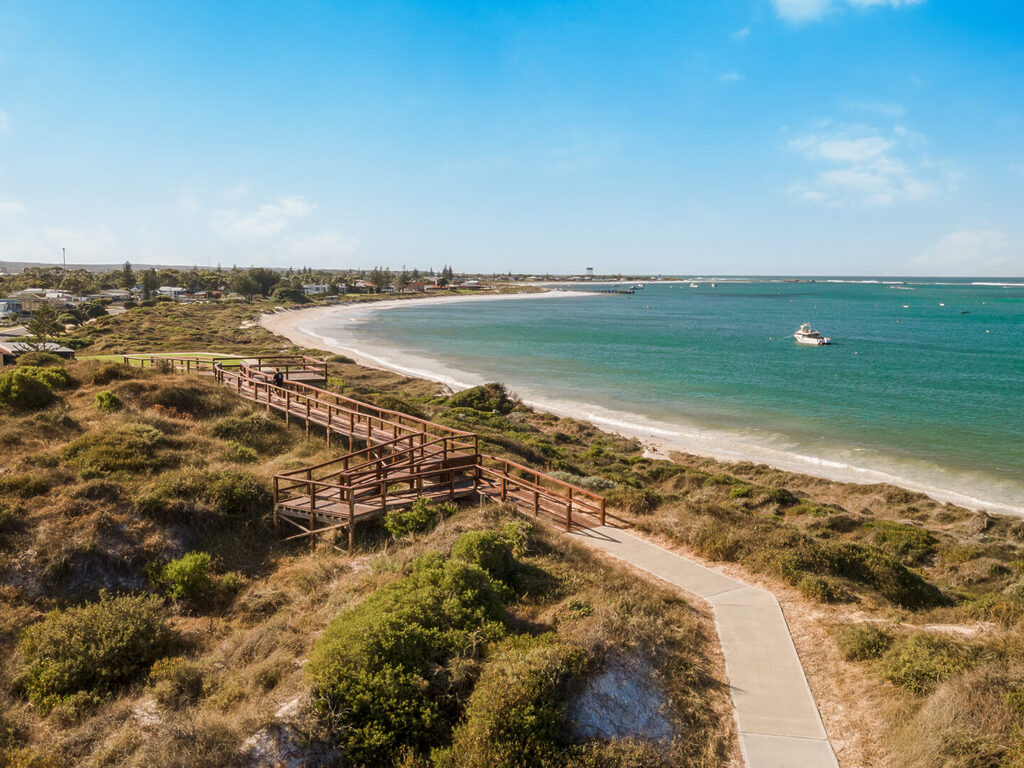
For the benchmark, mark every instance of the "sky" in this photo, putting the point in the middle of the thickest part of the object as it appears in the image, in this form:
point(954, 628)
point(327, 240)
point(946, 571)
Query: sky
point(796, 137)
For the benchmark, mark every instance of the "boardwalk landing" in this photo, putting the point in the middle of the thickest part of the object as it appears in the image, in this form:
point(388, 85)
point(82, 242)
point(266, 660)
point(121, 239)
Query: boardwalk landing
point(778, 722)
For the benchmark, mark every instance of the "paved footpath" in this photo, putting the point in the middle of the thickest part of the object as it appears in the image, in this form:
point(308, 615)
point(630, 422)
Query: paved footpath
point(778, 722)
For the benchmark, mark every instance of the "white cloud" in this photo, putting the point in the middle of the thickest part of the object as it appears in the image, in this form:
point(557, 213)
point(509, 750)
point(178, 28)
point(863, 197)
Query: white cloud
point(11, 208)
point(969, 253)
point(741, 34)
point(802, 11)
point(268, 219)
point(864, 169)
point(732, 76)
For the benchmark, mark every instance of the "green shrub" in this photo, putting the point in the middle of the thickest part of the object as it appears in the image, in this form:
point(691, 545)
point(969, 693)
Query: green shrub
point(489, 398)
point(20, 390)
point(235, 451)
point(423, 515)
point(810, 509)
point(383, 672)
point(25, 486)
point(514, 718)
point(193, 401)
point(487, 550)
point(94, 648)
point(227, 494)
point(390, 402)
point(634, 501)
point(54, 378)
point(861, 642)
point(715, 542)
point(921, 661)
point(741, 492)
point(823, 589)
point(908, 543)
point(187, 578)
point(253, 430)
point(127, 448)
point(781, 496)
point(589, 482)
point(288, 293)
point(108, 402)
point(516, 534)
point(176, 681)
point(38, 358)
point(108, 372)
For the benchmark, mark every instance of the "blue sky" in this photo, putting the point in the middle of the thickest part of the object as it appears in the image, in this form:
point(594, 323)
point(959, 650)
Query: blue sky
point(728, 137)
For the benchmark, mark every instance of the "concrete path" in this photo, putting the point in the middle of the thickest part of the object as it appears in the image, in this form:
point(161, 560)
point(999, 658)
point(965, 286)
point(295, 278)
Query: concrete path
point(779, 725)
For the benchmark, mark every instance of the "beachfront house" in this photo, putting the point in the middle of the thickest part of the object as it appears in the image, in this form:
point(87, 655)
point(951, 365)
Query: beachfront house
point(315, 289)
point(32, 299)
point(171, 291)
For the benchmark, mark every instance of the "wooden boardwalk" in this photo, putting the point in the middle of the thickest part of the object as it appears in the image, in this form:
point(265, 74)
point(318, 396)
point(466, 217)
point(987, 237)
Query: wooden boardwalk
point(391, 458)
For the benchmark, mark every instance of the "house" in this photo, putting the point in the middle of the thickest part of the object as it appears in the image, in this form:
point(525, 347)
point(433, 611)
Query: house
point(365, 287)
point(315, 289)
point(10, 307)
point(172, 291)
point(114, 294)
point(9, 350)
point(31, 299)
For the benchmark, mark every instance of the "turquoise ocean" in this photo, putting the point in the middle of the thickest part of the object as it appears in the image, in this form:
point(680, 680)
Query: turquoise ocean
point(923, 384)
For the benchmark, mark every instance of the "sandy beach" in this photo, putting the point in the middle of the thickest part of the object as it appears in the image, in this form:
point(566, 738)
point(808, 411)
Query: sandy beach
point(659, 439)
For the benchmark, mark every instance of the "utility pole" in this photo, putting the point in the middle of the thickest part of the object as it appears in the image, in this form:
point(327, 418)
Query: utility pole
point(64, 257)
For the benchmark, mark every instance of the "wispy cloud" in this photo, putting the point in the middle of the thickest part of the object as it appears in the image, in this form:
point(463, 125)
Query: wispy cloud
point(969, 253)
point(321, 245)
point(732, 76)
point(11, 208)
point(803, 11)
point(741, 34)
point(268, 219)
point(863, 167)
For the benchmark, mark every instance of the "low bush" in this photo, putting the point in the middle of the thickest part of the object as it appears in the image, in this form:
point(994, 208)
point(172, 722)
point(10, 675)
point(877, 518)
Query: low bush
point(781, 496)
point(253, 430)
point(720, 479)
point(921, 661)
point(487, 550)
point(590, 482)
point(184, 399)
point(489, 398)
point(423, 515)
point(391, 402)
point(226, 494)
point(909, 543)
point(514, 719)
point(187, 578)
point(93, 649)
point(38, 358)
point(634, 501)
point(861, 642)
point(383, 672)
point(235, 451)
point(22, 391)
point(126, 448)
point(108, 372)
point(176, 681)
point(25, 486)
point(714, 541)
point(53, 377)
point(823, 589)
point(108, 402)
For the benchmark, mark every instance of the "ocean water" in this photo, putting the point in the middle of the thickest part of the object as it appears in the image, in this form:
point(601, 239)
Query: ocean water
point(923, 384)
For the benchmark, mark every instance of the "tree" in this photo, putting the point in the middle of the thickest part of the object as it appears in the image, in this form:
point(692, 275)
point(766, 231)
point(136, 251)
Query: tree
point(127, 277)
point(43, 326)
point(265, 278)
point(381, 278)
point(244, 284)
point(149, 283)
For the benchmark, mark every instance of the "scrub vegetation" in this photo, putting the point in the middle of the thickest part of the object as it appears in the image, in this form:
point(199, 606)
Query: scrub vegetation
point(919, 605)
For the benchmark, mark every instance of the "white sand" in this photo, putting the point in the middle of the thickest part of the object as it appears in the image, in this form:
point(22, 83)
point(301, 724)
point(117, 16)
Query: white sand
point(658, 438)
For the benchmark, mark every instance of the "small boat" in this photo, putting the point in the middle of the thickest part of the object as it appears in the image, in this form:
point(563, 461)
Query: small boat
point(807, 335)
point(694, 285)
point(714, 285)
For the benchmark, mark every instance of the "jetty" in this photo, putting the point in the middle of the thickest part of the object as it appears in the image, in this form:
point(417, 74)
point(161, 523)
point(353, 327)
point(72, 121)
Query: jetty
point(390, 458)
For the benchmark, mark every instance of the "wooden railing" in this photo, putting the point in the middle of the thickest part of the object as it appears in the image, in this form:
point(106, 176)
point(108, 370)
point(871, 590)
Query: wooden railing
point(542, 490)
point(405, 456)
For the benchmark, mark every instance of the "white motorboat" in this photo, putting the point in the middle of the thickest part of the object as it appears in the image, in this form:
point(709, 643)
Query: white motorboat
point(807, 335)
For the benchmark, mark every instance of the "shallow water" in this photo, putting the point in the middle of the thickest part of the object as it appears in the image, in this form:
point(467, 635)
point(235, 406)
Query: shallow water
point(924, 382)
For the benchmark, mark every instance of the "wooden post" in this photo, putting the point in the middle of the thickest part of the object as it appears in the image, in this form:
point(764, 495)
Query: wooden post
point(287, 409)
point(312, 516)
point(307, 415)
point(384, 494)
point(329, 429)
point(602, 510)
point(504, 487)
point(277, 519)
point(351, 520)
point(568, 517)
point(536, 503)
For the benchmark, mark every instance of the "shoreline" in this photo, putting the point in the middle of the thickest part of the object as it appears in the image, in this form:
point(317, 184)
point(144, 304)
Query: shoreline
point(659, 439)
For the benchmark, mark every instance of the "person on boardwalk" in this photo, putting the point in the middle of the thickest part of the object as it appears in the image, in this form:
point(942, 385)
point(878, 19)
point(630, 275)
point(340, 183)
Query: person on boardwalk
point(278, 379)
